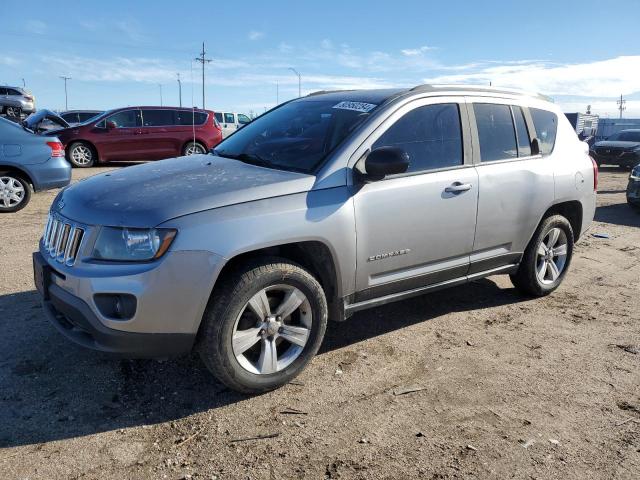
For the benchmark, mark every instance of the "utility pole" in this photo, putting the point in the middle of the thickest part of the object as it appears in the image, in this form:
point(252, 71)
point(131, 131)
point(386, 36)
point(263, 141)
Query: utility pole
point(160, 85)
point(621, 105)
point(66, 103)
point(202, 59)
point(24, 85)
point(179, 89)
point(299, 81)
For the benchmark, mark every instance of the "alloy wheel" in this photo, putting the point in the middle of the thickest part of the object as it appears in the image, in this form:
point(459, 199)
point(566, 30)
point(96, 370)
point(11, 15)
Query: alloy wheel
point(272, 329)
point(194, 149)
point(11, 192)
point(81, 155)
point(551, 256)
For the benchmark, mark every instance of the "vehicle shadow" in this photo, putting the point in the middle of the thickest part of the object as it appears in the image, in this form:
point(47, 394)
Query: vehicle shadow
point(51, 389)
point(618, 214)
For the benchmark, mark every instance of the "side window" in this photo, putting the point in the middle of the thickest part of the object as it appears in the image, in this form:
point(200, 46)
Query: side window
point(229, 118)
point(125, 119)
point(431, 135)
point(218, 116)
point(546, 124)
point(83, 117)
point(243, 119)
point(3, 91)
point(157, 118)
point(495, 131)
point(187, 117)
point(522, 132)
point(11, 91)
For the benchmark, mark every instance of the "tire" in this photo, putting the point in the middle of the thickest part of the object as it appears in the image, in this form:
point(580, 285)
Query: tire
point(224, 348)
point(14, 112)
point(13, 186)
point(194, 148)
point(528, 279)
point(82, 155)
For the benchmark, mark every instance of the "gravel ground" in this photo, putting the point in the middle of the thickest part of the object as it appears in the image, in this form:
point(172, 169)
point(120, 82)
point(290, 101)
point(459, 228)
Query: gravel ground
point(504, 386)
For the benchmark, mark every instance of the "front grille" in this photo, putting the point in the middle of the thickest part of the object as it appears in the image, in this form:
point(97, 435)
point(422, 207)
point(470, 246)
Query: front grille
point(62, 240)
point(610, 151)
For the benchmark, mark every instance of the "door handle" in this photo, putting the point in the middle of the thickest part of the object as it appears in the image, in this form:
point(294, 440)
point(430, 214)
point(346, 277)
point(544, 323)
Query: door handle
point(458, 187)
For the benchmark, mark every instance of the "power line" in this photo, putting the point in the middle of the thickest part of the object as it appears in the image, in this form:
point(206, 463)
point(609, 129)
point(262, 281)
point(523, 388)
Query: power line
point(202, 59)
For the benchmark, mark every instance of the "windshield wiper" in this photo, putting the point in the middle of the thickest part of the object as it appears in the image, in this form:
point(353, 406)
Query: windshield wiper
point(250, 158)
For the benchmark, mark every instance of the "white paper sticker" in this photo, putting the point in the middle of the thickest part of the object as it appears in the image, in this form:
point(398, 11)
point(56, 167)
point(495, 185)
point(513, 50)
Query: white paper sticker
point(356, 106)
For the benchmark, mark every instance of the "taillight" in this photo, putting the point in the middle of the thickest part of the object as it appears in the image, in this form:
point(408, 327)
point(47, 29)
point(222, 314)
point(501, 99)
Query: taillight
point(595, 174)
point(28, 98)
point(57, 150)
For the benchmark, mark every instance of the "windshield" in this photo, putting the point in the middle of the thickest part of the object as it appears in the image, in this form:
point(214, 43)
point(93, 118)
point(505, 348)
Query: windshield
point(626, 137)
point(297, 136)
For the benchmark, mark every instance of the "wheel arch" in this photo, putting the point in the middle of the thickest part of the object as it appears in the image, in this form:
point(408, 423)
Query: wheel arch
point(313, 255)
point(17, 171)
point(572, 210)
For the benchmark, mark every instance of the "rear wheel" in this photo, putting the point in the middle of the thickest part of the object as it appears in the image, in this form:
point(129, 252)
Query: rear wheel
point(546, 259)
point(82, 155)
point(13, 111)
point(263, 326)
point(194, 148)
point(15, 193)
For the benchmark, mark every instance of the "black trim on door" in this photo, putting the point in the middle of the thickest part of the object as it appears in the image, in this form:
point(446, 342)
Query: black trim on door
point(494, 262)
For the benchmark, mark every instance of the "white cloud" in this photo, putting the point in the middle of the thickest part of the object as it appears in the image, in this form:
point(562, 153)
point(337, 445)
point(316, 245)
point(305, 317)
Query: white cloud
point(603, 78)
point(412, 52)
point(255, 35)
point(36, 26)
point(8, 61)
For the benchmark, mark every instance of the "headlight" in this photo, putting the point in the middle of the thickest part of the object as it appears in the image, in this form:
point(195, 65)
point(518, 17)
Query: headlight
point(635, 173)
point(132, 244)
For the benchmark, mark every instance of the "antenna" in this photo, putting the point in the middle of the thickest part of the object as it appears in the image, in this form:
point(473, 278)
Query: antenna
point(622, 105)
point(202, 59)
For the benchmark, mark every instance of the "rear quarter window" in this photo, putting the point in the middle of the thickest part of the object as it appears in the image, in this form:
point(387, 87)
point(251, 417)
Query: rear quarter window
point(546, 124)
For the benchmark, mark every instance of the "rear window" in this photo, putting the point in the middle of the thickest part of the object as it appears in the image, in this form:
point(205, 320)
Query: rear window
point(546, 124)
point(70, 117)
point(495, 131)
point(218, 116)
point(188, 117)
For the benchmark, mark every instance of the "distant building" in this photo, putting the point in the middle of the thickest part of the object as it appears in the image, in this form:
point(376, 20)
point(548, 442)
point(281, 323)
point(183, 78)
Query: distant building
point(609, 126)
point(585, 123)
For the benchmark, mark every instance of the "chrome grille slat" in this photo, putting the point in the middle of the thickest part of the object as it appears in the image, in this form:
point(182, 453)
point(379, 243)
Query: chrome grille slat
point(62, 239)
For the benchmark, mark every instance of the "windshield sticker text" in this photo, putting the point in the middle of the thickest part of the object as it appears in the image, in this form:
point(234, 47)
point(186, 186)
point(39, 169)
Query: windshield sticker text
point(356, 106)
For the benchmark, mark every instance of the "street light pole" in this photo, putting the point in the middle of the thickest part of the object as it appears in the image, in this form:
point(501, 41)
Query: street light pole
point(299, 80)
point(179, 89)
point(66, 103)
point(203, 60)
point(160, 85)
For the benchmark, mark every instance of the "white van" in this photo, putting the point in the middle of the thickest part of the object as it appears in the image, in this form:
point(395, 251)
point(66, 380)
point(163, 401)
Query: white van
point(230, 122)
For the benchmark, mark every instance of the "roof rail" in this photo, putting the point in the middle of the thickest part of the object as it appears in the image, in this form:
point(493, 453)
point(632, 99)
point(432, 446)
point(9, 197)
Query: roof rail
point(322, 92)
point(479, 88)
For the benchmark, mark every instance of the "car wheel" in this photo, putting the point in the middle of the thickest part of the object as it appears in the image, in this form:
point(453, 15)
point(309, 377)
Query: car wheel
point(82, 155)
point(13, 111)
point(194, 148)
point(15, 193)
point(263, 325)
point(546, 259)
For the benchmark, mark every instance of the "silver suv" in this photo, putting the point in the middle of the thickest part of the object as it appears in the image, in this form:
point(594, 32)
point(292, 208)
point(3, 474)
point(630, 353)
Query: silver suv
point(14, 101)
point(324, 206)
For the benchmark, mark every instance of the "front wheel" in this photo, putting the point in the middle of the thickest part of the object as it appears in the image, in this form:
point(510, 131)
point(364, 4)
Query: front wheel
point(546, 259)
point(13, 112)
point(15, 193)
point(194, 148)
point(82, 155)
point(263, 325)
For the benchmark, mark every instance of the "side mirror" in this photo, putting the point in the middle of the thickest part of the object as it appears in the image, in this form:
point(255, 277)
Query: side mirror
point(111, 125)
point(385, 161)
point(535, 146)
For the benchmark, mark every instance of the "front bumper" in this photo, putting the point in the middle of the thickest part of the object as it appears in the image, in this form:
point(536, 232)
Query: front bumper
point(171, 296)
point(627, 159)
point(633, 192)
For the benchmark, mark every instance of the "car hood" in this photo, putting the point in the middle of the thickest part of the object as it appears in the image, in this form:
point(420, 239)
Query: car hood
point(147, 195)
point(35, 119)
point(617, 144)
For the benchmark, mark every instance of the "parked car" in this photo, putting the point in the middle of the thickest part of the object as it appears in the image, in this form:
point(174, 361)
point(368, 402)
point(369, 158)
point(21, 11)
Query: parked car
point(140, 133)
point(231, 121)
point(633, 188)
point(322, 207)
point(44, 121)
point(15, 101)
point(622, 149)
point(75, 117)
point(28, 161)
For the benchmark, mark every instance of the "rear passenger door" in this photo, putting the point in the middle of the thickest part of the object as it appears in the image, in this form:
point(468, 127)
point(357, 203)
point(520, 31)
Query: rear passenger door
point(160, 134)
point(515, 187)
point(416, 229)
point(228, 124)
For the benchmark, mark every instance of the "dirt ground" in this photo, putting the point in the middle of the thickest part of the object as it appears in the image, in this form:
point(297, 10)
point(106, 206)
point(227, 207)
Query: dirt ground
point(505, 387)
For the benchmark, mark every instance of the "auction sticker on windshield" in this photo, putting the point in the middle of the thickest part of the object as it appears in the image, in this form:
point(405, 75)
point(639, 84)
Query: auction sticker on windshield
point(356, 106)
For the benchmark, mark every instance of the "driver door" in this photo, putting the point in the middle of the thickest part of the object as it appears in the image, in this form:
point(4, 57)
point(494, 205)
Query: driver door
point(416, 229)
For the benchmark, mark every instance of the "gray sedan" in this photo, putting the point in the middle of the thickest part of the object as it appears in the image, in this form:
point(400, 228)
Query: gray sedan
point(28, 161)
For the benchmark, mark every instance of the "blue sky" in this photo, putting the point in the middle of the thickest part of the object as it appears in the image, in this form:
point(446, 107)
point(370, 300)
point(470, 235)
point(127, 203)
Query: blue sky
point(117, 52)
